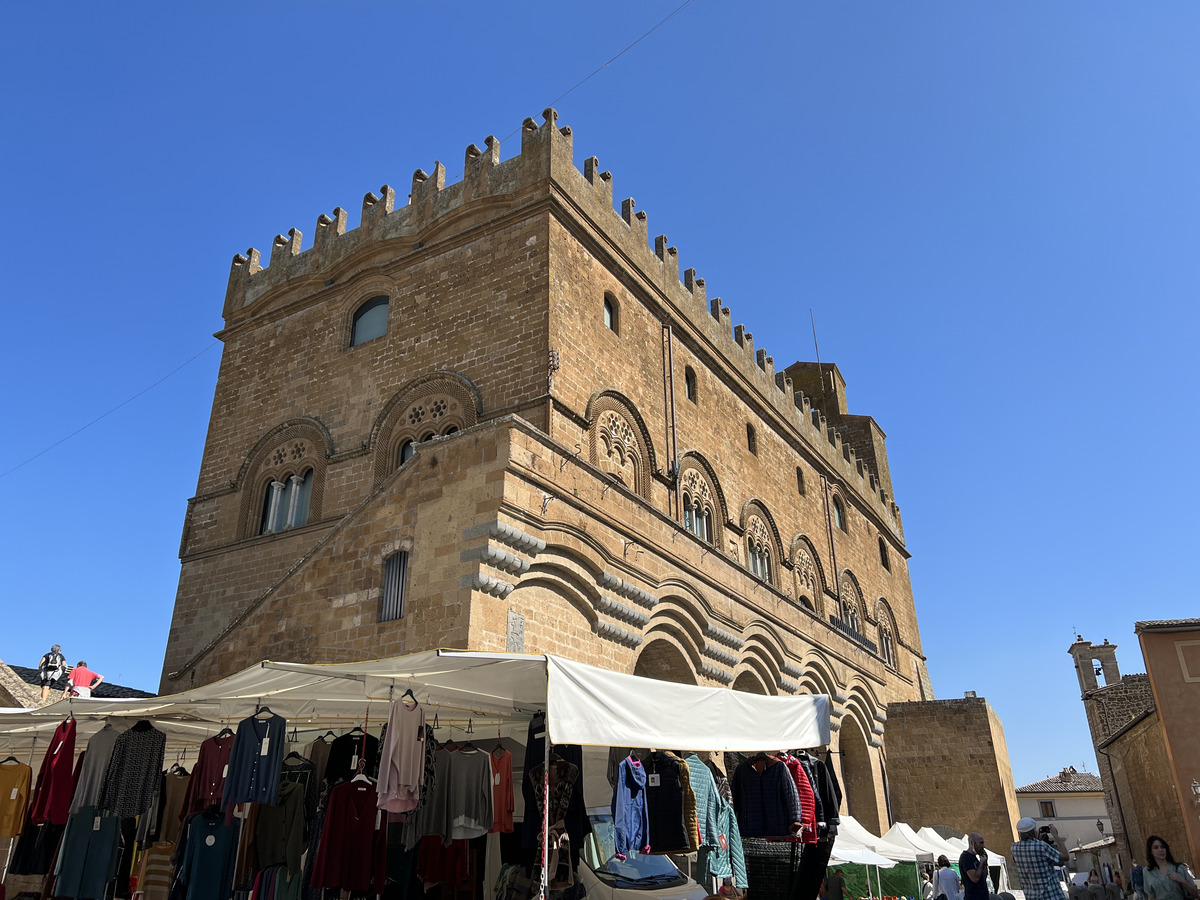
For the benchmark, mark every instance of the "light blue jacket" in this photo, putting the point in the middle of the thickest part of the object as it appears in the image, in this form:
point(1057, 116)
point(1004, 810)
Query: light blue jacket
point(630, 817)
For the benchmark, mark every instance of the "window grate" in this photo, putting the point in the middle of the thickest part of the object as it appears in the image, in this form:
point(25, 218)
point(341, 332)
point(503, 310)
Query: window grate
point(395, 570)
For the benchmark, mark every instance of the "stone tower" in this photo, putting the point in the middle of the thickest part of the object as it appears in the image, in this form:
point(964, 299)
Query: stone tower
point(499, 417)
point(1109, 707)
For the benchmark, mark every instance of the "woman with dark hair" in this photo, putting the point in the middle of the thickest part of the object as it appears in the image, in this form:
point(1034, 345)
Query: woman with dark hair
point(1163, 878)
point(945, 882)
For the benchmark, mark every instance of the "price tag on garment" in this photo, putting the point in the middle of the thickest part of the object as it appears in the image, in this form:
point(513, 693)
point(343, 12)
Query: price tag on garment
point(723, 841)
point(210, 839)
point(378, 818)
point(96, 824)
point(654, 780)
point(496, 781)
point(539, 735)
point(13, 795)
point(354, 761)
point(266, 745)
point(225, 771)
point(59, 747)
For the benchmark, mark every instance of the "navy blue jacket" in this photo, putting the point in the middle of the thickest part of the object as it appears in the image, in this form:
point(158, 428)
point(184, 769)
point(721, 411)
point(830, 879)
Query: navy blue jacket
point(766, 804)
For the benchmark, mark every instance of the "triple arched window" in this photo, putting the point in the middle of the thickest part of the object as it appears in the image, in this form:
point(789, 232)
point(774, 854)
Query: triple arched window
point(698, 517)
point(286, 501)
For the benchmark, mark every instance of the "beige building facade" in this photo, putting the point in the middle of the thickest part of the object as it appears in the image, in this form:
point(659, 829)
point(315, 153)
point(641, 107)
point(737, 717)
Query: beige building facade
point(499, 418)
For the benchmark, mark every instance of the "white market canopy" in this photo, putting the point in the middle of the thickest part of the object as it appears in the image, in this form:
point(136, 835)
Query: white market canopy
point(904, 836)
point(851, 833)
point(943, 845)
point(583, 704)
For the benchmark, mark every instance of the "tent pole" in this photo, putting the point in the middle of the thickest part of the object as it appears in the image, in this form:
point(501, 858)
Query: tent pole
point(545, 891)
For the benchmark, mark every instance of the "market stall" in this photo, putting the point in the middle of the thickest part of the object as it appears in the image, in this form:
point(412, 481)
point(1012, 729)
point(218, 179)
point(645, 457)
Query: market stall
point(278, 705)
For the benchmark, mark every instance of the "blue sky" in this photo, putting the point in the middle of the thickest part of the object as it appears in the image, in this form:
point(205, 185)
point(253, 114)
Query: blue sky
point(990, 208)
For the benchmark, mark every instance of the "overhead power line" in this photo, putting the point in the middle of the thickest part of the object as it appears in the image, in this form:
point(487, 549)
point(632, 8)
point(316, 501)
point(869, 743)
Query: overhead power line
point(105, 415)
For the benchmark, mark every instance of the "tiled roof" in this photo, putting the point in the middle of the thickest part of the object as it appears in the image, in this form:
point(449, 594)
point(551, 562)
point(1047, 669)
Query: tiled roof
point(119, 691)
point(1078, 783)
point(1167, 625)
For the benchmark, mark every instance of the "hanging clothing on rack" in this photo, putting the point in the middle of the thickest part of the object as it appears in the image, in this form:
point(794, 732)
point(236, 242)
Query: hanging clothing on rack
point(535, 751)
point(95, 766)
point(664, 802)
point(346, 752)
point(631, 819)
point(209, 855)
point(36, 849)
point(808, 807)
point(765, 798)
point(208, 775)
point(503, 801)
point(279, 831)
point(562, 782)
point(89, 855)
point(175, 787)
point(155, 873)
point(402, 761)
point(469, 798)
point(828, 797)
point(133, 771)
point(318, 752)
point(352, 854)
point(303, 771)
point(55, 785)
point(15, 779)
point(255, 761)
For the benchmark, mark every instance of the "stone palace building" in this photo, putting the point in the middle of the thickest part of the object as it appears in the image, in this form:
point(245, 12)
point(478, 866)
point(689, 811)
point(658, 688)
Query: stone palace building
point(496, 418)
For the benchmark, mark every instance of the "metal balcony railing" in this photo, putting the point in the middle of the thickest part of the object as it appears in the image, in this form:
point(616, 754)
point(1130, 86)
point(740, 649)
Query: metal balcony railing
point(854, 635)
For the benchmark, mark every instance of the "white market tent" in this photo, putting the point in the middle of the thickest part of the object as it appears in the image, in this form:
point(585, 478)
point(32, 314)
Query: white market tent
point(904, 836)
point(943, 845)
point(583, 704)
point(851, 831)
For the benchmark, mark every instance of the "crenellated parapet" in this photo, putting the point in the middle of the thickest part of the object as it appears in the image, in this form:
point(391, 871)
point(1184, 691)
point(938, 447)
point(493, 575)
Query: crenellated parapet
point(546, 158)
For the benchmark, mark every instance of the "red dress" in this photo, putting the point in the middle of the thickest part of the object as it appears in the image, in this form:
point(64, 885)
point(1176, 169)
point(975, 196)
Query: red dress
point(352, 851)
point(56, 782)
point(208, 776)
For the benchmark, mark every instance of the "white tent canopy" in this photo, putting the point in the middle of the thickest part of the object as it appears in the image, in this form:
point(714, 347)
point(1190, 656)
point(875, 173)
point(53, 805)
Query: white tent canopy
point(583, 704)
point(851, 832)
point(943, 845)
point(904, 836)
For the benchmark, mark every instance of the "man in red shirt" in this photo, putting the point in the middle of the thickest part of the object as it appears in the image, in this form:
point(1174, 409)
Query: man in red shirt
point(82, 681)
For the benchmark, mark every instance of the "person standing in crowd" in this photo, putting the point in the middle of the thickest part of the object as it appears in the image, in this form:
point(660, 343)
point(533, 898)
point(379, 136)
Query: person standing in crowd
point(835, 886)
point(51, 670)
point(83, 681)
point(1135, 879)
point(926, 885)
point(1163, 878)
point(945, 882)
point(1036, 861)
point(973, 866)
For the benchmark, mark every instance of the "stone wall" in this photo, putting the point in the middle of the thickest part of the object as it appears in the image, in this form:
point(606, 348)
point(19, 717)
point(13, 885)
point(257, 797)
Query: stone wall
point(948, 765)
point(1138, 760)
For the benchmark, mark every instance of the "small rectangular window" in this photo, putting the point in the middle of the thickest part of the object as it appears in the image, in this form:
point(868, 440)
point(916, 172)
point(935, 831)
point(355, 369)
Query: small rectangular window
point(1047, 809)
point(395, 571)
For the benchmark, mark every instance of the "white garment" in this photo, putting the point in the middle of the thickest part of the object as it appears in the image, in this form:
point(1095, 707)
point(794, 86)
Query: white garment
point(947, 883)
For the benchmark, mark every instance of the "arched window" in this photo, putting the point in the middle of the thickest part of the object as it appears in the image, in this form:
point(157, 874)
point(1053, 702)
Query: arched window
point(406, 452)
point(697, 518)
point(751, 439)
point(611, 319)
point(689, 383)
point(370, 321)
point(286, 502)
point(887, 648)
point(799, 481)
point(758, 559)
point(883, 555)
point(850, 614)
point(839, 513)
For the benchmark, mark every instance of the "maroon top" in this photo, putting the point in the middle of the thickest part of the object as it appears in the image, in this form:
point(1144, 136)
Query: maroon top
point(352, 851)
point(808, 800)
point(208, 776)
point(56, 783)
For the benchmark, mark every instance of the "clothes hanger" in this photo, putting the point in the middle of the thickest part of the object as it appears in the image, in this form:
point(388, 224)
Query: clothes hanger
point(354, 729)
point(408, 693)
point(226, 731)
point(498, 750)
point(263, 709)
point(294, 755)
point(9, 759)
point(328, 734)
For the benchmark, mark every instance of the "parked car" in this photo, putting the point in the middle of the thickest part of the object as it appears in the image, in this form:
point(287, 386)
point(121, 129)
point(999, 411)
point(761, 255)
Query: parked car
point(637, 877)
